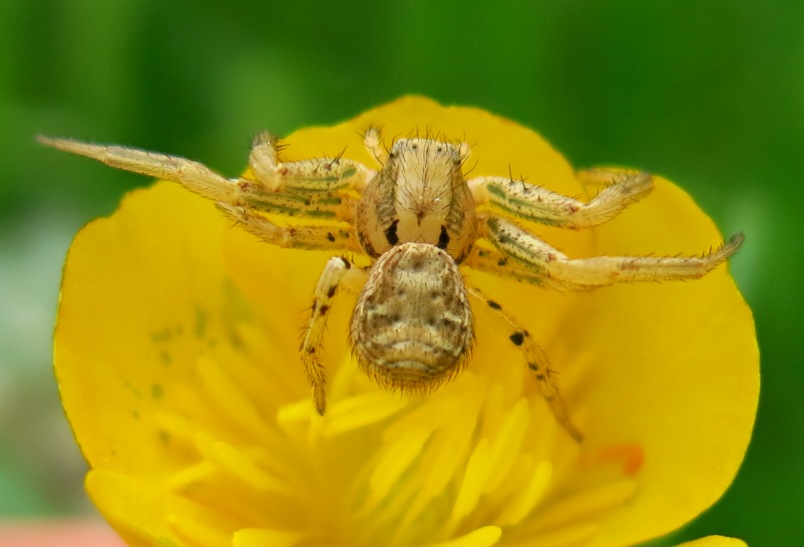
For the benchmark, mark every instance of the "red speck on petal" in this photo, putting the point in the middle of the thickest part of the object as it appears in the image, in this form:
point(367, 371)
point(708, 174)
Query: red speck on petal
point(630, 455)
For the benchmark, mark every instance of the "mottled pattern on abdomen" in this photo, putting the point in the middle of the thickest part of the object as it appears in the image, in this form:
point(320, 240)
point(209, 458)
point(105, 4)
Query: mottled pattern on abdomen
point(412, 326)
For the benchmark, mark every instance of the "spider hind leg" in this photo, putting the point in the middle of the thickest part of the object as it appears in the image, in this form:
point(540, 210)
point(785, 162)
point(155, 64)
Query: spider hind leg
point(537, 363)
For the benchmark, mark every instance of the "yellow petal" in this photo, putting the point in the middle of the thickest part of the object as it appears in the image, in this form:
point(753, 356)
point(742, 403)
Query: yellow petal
point(143, 293)
point(676, 370)
point(482, 537)
point(262, 537)
point(714, 541)
point(144, 515)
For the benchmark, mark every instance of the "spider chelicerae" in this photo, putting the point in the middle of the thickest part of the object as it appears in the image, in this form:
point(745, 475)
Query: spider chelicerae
point(419, 220)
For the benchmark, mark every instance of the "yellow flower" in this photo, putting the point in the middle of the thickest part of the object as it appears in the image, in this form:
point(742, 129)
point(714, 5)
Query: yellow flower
point(176, 356)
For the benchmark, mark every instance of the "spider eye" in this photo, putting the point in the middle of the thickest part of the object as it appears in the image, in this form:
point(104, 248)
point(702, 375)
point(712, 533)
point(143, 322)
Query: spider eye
point(390, 233)
point(443, 239)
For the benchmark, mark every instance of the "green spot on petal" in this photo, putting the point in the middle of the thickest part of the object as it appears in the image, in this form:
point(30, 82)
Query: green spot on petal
point(161, 336)
point(201, 320)
point(165, 357)
point(131, 388)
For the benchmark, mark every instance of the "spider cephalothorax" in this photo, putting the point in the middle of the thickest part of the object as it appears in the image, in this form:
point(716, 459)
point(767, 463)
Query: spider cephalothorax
point(418, 219)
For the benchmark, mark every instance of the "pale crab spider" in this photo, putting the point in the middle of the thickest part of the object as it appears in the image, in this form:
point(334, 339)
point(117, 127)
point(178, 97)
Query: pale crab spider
point(417, 218)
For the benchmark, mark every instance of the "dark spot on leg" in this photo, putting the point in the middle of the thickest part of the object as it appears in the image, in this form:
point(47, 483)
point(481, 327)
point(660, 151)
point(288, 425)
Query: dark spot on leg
point(330, 237)
point(332, 290)
point(324, 309)
point(346, 263)
point(493, 305)
point(518, 338)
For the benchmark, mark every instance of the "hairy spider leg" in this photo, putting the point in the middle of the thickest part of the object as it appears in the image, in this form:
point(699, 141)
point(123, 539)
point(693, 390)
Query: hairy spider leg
point(311, 237)
point(192, 175)
point(312, 188)
point(494, 262)
point(537, 362)
point(547, 262)
point(337, 273)
point(520, 199)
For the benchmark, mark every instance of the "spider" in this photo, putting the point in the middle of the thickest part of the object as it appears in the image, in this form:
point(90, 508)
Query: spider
point(419, 220)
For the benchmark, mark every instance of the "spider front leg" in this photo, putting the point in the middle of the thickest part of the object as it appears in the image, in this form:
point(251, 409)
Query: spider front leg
point(194, 176)
point(548, 263)
point(313, 188)
point(521, 199)
point(337, 272)
point(537, 362)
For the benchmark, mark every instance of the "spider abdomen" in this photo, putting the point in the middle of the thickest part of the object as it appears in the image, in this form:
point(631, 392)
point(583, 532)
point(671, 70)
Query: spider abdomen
point(412, 325)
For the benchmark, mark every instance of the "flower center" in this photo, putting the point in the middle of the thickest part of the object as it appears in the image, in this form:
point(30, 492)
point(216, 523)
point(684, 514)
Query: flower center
point(480, 458)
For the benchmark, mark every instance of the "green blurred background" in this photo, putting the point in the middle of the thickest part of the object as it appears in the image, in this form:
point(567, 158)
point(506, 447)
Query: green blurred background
point(708, 93)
